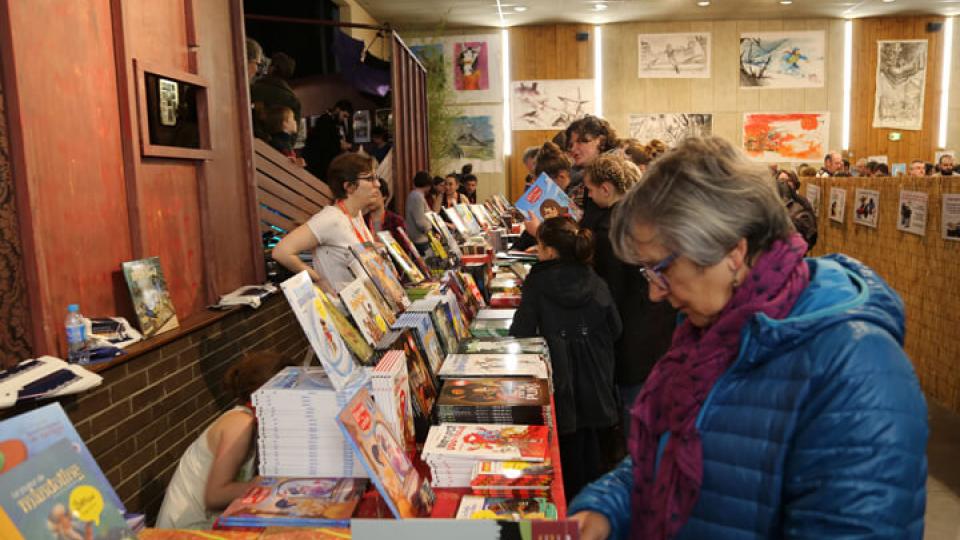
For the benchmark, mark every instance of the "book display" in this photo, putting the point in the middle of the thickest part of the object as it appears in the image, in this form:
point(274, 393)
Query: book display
point(407, 266)
point(495, 400)
point(364, 310)
point(511, 478)
point(453, 449)
point(296, 502)
point(477, 507)
point(493, 365)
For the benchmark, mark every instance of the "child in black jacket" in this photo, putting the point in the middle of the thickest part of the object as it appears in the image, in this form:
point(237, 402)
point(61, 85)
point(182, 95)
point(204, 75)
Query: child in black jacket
point(568, 304)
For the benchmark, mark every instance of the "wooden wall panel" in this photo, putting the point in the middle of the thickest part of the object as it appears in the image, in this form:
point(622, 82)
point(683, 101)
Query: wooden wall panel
point(864, 138)
point(953, 127)
point(544, 52)
point(411, 151)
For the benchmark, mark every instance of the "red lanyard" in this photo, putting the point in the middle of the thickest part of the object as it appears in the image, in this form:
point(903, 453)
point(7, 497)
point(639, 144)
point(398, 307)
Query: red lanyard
point(343, 208)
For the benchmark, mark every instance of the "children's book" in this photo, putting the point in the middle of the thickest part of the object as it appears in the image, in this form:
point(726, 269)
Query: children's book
point(55, 494)
point(26, 435)
point(412, 251)
point(391, 390)
point(511, 478)
point(426, 335)
point(382, 275)
point(441, 322)
point(457, 221)
point(545, 199)
point(476, 507)
point(469, 220)
point(389, 315)
point(457, 318)
point(355, 341)
point(493, 365)
point(502, 442)
point(151, 300)
point(440, 226)
point(436, 245)
point(401, 486)
point(356, 297)
point(300, 502)
point(307, 303)
point(400, 256)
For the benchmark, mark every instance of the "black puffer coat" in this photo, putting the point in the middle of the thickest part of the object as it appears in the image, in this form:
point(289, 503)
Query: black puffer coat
point(570, 306)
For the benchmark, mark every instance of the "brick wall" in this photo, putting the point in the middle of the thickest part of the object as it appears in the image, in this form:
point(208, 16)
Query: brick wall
point(148, 410)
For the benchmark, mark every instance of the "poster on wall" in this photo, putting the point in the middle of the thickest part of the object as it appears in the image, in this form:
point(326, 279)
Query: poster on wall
point(913, 212)
point(477, 138)
point(472, 65)
point(901, 77)
point(669, 128)
point(838, 203)
point(550, 104)
point(169, 101)
point(951, 217)
point(674, 56)
point(786, 137)
point(361, 126)
point(866, 207)
point(782, 59)
point(813, 196)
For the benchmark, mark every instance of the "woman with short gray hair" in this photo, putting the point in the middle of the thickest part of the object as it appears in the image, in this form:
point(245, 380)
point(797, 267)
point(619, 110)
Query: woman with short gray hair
point(785, 406)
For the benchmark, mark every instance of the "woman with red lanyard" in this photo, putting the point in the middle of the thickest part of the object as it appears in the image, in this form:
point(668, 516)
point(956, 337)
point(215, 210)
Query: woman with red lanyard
point(330, 232)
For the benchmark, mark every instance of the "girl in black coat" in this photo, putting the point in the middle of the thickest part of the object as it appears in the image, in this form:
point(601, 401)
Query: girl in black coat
point(565, 302)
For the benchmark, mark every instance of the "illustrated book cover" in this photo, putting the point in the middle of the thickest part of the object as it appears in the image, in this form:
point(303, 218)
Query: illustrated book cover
point(302, 502)
point(371, 322)
point(487, 441)
point(407, 266)
point(151, 299)
point(382, 275)
point(545, 199)
point(493, 365)
point(477, 507)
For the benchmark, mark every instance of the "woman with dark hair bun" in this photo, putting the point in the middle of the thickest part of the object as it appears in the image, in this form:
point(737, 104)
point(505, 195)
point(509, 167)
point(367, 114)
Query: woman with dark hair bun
point(567, 303)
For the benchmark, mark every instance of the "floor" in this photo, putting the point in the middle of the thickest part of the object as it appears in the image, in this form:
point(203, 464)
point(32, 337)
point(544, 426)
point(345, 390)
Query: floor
point(943, 482)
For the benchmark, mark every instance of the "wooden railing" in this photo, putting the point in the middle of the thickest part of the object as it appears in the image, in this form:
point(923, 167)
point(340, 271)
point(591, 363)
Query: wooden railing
point(287, 195)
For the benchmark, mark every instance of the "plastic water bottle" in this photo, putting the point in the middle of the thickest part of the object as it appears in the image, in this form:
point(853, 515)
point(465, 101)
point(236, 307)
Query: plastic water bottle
point(76, 336)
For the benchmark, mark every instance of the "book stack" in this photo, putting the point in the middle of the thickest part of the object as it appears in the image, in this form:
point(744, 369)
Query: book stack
point(495, 401)
point(475, 507)
point(297, 428)
point(493, 365)
point(295, 502)
point(426, 336)
point(490, 328)
point(439, 315)
point(512, 479)
point(391, 391)
point(532, 345)
point(453, 450)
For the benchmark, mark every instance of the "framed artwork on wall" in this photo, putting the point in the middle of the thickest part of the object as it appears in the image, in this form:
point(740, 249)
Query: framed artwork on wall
point(172, 113)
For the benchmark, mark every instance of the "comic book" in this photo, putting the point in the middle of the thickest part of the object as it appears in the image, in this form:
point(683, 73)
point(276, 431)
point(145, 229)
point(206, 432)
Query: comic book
point(371, 322)
point(487, 441)
point(476, 507)
point(545, 199)
point(382, 275)
point(493, 365)
point(400, 256)
point(151, 300)
point(303, 502)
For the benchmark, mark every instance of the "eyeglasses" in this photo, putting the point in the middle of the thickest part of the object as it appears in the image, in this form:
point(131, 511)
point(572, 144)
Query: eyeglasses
point(654, 274)
point(369, 177)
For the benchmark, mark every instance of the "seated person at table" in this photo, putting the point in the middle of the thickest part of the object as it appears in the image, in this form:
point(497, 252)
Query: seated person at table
point(218, 466)
point(568, 304)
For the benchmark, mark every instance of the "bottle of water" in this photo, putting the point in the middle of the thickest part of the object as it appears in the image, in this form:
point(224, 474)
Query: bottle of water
point(76, 336)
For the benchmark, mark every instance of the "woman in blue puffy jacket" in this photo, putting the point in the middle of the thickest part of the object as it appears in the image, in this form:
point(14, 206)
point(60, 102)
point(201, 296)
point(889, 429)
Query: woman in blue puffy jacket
point(785, 406)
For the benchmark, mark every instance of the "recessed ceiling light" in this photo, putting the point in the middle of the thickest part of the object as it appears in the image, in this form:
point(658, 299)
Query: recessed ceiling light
point(703, 3)
point(786, 2)
point(600, 6)
point(519, 9)
point(888, 1)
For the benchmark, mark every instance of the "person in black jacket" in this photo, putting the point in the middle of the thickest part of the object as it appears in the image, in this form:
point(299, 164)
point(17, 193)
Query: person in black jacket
point(648, 326)
point(567, 303)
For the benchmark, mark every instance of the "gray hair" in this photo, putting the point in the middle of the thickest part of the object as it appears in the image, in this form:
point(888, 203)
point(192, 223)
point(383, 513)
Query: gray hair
point(530, 153)
point(254, 50)
point(702, 197)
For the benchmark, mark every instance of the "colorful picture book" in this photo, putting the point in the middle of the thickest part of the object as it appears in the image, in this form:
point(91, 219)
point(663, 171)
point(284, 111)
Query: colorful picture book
point(309, 306)
point(469, 220)
point(296, 502)
point(411, 250)
point(151, 300)
point(400, 257)
point(441, 321)
point(356, 297)
point(403, 489)
point(382, 275)
point(535, 345)
point(362, 351)
point(389, 315)
point(391, 390)
point(545, 199)
point(477, 442)
point(440, 226)
point(493, 365)
point(477, 507)
point(511, 478)
point(423, 384)
point(55, 494)
point(426, 335)
point(494, 401)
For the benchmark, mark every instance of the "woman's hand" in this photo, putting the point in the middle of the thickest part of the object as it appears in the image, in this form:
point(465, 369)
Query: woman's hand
point(593, 525)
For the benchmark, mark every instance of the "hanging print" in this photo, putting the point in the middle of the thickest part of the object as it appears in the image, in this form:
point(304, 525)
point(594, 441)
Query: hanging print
point(901, 78)
point(782, 59)
point(674, 56)
point(669, 128)
point(476, 138)
point(786, 137)
point(550, 104)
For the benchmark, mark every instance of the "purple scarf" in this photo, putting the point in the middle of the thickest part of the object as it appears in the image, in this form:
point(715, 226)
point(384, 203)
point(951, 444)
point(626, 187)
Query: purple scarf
point(678, 386)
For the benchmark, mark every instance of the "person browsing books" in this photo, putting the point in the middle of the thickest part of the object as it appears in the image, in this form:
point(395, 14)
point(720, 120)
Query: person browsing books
point(570, 306)
point(550, 159)
point(331, 232)
point(218, 466)
point(785, 406)
point(451, 193)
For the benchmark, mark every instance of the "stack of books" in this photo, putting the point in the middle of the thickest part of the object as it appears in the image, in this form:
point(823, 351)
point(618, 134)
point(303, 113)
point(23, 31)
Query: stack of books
point(458, 366)
point(512, 479)
point(295, 502)
point(474, 507)
point(297, 427)
point(391, 391)
point(495, 401)
point(453, 450)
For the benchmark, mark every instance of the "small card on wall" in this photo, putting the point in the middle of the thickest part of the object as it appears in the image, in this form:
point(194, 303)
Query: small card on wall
point(838, 201)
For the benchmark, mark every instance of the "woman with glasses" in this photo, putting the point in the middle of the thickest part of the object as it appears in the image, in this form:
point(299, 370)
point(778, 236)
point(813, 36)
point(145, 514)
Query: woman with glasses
point(785, 406)
point(330, 232)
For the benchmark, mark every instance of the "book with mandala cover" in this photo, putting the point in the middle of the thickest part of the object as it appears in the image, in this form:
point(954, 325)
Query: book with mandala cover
point(303, 502)
point(382, 275)
point(493, 365)
point(400, 256)
point(56, 494)
point(151, 300)
point(487, 441)
point(477, 507)
point(371, 322)
point(403, 489)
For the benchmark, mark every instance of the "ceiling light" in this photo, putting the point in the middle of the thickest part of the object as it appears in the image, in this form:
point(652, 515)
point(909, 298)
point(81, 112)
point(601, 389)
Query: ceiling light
point(599, 6)
point(888, 1)
point(703, 3)
point(519, 9)
point(786, 2)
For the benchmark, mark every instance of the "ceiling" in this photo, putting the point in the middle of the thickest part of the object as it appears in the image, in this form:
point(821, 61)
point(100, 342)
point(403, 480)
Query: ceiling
point(421, 14)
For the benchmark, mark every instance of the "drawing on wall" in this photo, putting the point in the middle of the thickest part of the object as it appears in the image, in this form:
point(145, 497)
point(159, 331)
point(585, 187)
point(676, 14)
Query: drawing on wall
point(669, 128)
point(838, 203)
point(361, 126)
point(866, 207)
point(913, 212)
point(476, 140)
point(950, 217)
point(901, 77)
point(786, 137)
point(550, 104)
point(674, 56)
point(169, 101)
point(813, 197)
point(471, 66)
point(470, 63)
point(426, 51)
point(782, 59)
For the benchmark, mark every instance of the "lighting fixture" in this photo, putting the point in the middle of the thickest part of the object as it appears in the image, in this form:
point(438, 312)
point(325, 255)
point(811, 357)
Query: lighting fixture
point(600, 6)
point(505, 77)
point(888, 1)
point(519, 9)
point(598, 69)
point(786, 2)
point(847, 83)
point(703, 3)
point(945, 81)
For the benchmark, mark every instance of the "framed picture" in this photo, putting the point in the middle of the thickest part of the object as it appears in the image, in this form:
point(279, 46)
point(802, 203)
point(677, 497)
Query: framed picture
point(172, 112)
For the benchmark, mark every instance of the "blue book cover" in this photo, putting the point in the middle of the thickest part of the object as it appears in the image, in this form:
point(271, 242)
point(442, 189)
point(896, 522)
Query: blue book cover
point(406, 493)
point(30, 433)
point(546, 200)
point(55, 494)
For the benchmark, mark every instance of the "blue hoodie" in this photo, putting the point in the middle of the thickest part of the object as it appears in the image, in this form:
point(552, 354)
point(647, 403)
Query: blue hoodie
point(817, 430)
